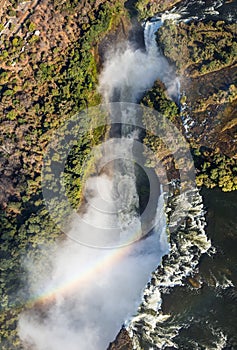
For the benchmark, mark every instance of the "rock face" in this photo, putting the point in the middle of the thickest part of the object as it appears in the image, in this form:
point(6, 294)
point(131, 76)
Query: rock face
point(207, 69)
point(122, 341)
point(115, 37)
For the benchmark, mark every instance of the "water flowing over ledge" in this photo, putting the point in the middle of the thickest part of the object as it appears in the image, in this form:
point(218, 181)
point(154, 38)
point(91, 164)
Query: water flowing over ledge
point(150, 327)
point(81, 284)
point(127, 74)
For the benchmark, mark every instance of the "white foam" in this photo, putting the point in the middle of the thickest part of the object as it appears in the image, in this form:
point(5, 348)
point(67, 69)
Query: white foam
point(187, 244)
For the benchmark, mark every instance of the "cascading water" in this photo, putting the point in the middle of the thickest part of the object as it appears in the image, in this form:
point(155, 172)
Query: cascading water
point(110, 282)
point(168, 75)
point(150, 327)
point(81, 285)
point(126, 75)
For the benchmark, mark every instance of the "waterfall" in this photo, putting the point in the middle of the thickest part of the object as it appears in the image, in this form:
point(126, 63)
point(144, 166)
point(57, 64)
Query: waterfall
point(150, 29)
point(84, 294)
point(128, 72)
point(167, 75)
point(86, 291)
point(187, 243)
point(149, 326)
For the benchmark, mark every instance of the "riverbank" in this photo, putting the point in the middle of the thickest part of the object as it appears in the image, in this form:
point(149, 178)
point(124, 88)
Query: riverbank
point(46, 79)
point(48, 72)
point(208, 311)
point(209, 95)
point(208, 102)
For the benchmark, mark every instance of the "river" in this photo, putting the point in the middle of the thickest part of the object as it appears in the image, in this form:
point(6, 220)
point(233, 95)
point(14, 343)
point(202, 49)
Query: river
point(89, 292)
point(197, 312)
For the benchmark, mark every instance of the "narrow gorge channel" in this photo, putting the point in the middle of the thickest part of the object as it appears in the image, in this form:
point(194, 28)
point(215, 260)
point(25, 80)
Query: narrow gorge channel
point(120, 274)
point(88, 289)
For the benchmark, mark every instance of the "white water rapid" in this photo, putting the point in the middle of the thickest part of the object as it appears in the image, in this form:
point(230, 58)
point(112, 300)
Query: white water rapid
point(83, 295)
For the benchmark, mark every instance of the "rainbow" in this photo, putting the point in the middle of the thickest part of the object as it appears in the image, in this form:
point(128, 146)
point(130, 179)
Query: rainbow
point(110, 258)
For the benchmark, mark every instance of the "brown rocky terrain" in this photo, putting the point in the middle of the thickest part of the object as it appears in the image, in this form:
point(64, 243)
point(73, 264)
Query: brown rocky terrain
point(212, 101)
point(208, 73)
point(50, 56)
point(48, 72)
point(122, 341)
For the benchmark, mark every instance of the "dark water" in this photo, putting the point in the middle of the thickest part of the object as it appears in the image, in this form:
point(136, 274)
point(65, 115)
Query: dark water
point(204, 309)
point(207, 313)
point(204, 10)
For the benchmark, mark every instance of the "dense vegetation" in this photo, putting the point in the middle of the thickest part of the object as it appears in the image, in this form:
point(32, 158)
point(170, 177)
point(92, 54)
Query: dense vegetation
point(158, 99)
point(215, 169)
point(48, 72)
point(205, 47)
point(204, 54)
point(157, 150)
point(148, 8)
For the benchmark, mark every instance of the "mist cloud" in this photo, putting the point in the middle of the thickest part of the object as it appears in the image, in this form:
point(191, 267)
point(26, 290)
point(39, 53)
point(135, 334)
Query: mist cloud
point(87, 314)
point(129, 72)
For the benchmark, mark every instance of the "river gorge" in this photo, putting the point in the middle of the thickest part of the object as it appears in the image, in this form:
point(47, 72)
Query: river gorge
point(147, 255)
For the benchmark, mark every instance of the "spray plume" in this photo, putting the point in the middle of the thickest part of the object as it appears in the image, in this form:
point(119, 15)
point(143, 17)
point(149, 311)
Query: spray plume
point(85, 294)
